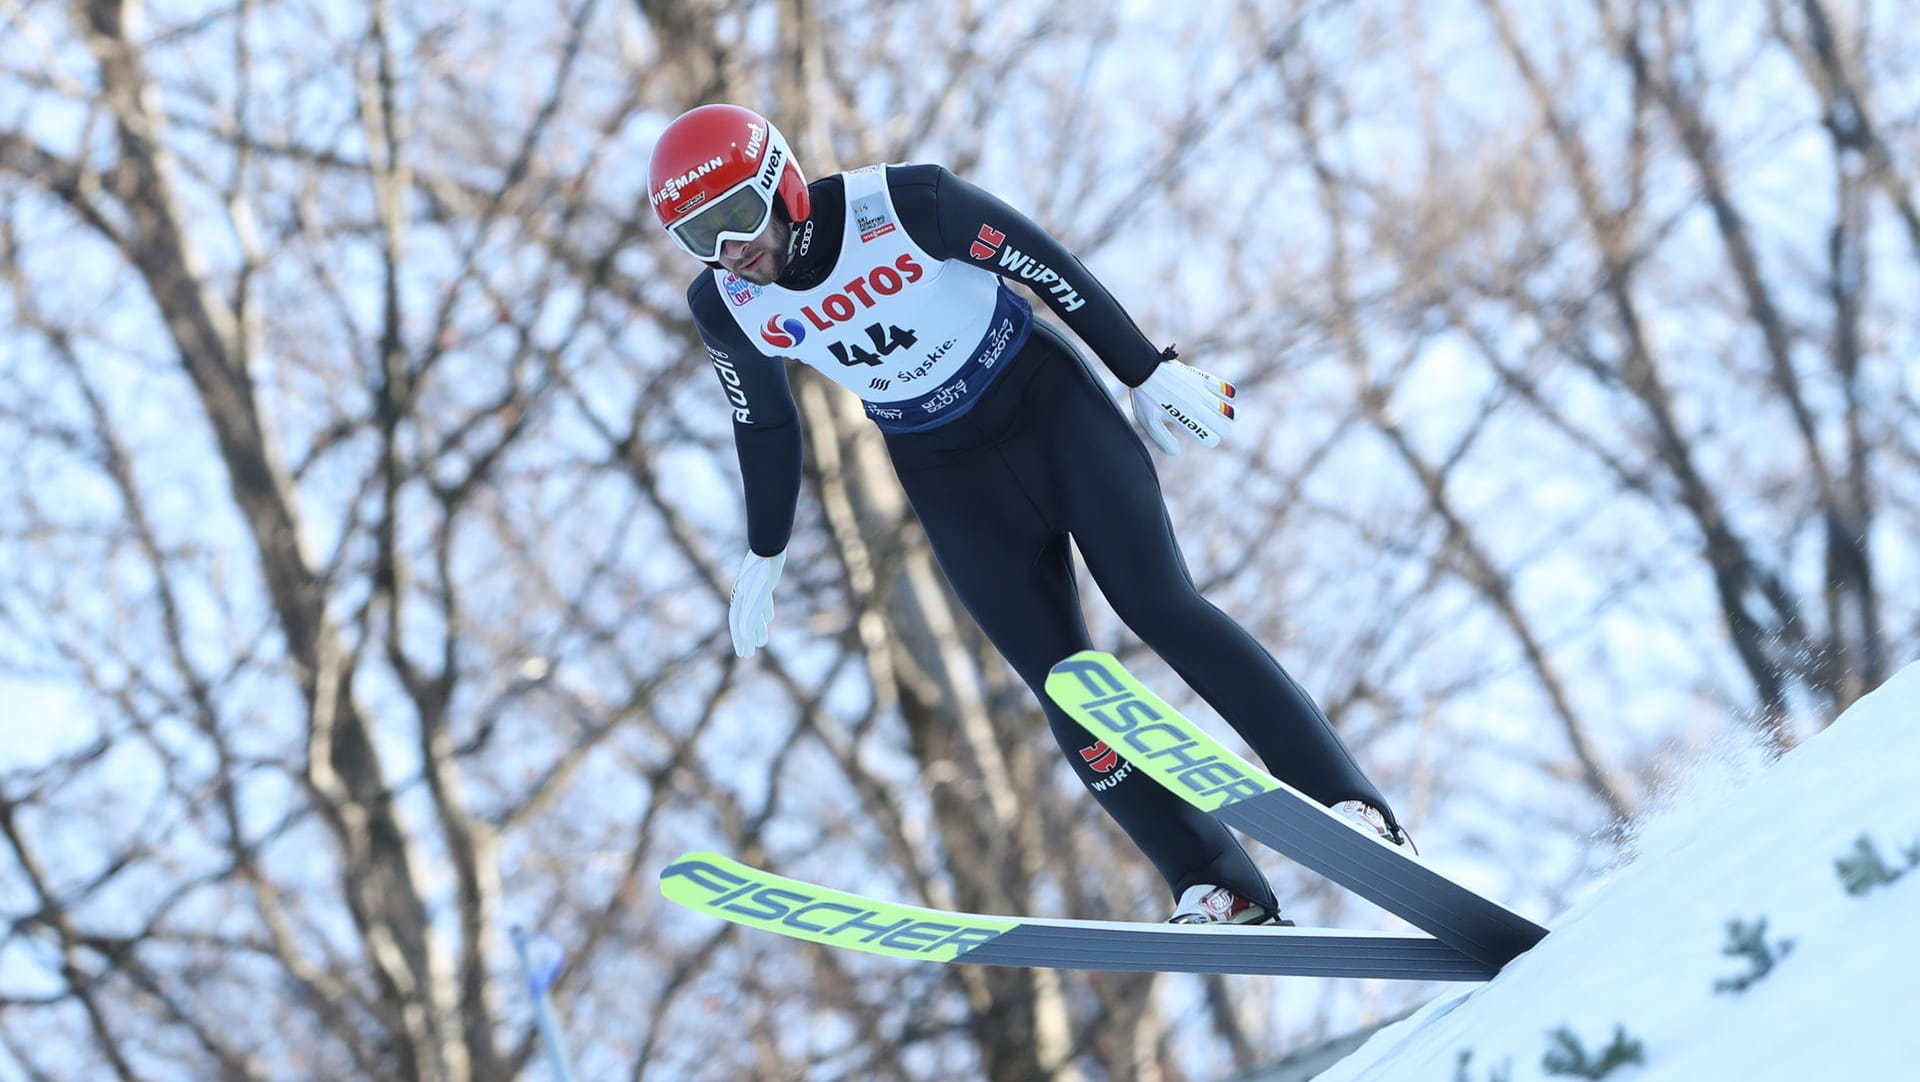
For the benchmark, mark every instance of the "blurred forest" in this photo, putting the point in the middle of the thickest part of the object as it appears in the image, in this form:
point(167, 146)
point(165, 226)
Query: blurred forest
point(370, 509)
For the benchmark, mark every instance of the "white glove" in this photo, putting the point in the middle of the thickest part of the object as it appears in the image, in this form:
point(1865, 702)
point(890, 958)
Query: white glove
point(1181, 396)
point(752, 609)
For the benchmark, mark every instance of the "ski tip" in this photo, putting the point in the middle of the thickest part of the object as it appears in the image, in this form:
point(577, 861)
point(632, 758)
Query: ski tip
point(695, 864)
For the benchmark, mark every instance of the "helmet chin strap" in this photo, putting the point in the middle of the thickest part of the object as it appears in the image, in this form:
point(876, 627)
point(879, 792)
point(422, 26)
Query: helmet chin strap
point(796, 231)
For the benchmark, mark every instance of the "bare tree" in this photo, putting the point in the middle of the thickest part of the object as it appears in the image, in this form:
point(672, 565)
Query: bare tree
point(1578, 268)
point(371, 515)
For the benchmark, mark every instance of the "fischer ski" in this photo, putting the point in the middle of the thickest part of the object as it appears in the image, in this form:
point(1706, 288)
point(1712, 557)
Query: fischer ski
point(1098, 692)
point(725, 888)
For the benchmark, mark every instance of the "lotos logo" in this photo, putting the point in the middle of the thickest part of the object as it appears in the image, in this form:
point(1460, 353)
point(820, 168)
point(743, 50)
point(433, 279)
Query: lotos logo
point(885, 280)
point(783, 334)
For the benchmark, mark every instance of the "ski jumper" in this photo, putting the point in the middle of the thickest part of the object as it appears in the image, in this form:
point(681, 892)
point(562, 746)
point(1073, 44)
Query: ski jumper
point(1008, 446)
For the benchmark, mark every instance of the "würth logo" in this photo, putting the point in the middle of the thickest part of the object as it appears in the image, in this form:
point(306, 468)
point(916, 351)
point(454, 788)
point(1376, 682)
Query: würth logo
point(1100, 757)
point(988, 244)
point(879, 384)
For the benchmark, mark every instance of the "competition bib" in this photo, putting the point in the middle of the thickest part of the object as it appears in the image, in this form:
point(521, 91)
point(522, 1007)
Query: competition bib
point(918, 339)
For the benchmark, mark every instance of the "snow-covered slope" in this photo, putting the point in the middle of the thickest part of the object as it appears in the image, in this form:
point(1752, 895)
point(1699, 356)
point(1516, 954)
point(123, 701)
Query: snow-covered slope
point(1637, 962)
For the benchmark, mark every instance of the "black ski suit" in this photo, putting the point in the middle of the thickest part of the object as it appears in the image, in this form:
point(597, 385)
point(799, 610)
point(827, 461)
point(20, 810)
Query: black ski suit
point(1038, 456)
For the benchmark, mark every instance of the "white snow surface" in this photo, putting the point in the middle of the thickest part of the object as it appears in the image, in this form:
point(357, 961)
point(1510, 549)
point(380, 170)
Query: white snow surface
point(1642, 952)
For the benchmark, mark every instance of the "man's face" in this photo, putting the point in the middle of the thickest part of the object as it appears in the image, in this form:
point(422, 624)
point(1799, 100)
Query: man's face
point(763, 259)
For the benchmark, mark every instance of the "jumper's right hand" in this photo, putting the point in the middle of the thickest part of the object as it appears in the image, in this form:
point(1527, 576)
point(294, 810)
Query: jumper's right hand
point(751, 611)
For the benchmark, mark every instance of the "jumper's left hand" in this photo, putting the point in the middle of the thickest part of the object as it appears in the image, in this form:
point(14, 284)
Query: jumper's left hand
point(750, 612)
point(1181, 396)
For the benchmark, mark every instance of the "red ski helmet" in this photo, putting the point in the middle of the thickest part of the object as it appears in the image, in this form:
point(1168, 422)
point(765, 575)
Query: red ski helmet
point(714, 174)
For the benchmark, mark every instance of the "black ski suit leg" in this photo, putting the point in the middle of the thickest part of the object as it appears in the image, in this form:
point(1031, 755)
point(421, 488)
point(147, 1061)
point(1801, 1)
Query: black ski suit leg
point(1119, 521)
point(1013, 571)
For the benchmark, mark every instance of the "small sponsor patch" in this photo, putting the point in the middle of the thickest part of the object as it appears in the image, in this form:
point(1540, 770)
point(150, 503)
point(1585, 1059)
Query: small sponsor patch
point(870, 215)
point(739, 290)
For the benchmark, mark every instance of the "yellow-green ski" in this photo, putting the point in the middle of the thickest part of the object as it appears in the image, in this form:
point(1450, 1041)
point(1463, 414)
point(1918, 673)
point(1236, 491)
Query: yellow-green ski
point(746, 895)
point(1098, 693)
point(1108, 702)
point(716, 885)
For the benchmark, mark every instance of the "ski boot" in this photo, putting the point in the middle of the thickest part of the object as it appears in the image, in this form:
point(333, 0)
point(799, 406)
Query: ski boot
point(1204, 903)
point(1368, 819)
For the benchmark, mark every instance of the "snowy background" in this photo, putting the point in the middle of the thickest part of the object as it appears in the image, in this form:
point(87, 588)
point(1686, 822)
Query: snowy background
point(1643, 960)
point(371, 511)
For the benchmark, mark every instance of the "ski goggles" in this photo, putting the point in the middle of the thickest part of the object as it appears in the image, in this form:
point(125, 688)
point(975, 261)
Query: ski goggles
point(740, 214)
